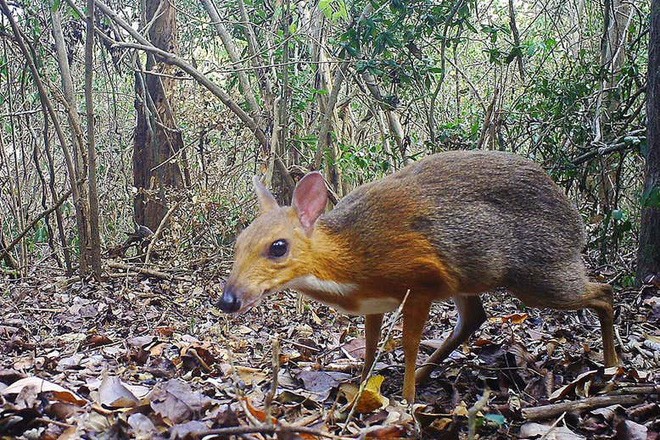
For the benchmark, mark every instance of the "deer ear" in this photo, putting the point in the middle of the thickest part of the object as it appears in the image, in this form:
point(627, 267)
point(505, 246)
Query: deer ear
point(310, 198)
point(266, 200)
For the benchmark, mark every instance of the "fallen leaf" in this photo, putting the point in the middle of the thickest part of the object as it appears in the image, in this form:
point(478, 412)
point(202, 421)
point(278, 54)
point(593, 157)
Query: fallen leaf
point(41, 386)
point(515, 318)
point(370, 400)
point(113, 394)
point(175, 401)
point(257, 413)
point(629, 430)
point(321, 383)
point(536, 430)
point(191, 429)
point(143, 427)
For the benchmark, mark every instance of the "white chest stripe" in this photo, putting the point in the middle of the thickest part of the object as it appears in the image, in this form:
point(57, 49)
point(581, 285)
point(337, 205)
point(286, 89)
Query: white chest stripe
point(310, 282)
point(365, 306)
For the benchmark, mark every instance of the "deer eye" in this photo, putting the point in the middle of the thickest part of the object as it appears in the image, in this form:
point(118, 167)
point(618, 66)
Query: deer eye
point(278, 249)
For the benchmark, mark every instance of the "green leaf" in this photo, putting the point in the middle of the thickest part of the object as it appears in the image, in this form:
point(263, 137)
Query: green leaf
point(334, 10)
point(498, 419)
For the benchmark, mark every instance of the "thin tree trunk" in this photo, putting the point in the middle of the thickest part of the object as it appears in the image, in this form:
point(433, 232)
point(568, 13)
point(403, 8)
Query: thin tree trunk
point(157, 139)
point(95, 235)
point(79, 153)
point(648, 254)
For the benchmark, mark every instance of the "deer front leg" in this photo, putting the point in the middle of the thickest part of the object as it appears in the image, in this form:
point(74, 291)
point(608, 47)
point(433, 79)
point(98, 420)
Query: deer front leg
point(471, 315)
point(415, 315)
point(372, 324)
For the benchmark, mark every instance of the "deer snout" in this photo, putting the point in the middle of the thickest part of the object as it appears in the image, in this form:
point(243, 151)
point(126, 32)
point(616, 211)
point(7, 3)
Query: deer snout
point(230, 301)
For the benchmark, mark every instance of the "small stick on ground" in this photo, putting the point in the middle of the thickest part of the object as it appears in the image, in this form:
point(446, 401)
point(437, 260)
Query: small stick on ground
point(270, 430)
point(145, 271)
point(553, 426)
point(276, 370)
point(472, 413)
point(550, 411)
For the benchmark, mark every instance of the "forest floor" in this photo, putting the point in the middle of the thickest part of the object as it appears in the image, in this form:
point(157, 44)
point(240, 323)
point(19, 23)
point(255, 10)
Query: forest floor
point(142, 356)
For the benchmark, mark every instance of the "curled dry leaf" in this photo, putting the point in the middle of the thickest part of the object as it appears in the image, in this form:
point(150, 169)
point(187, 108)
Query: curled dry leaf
point(43, 386)
point(371, 398)
point(257, 413)
point(113, 394)
point(515, 318)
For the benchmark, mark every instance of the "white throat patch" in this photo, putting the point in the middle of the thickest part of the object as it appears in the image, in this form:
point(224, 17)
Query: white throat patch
point(310, 282)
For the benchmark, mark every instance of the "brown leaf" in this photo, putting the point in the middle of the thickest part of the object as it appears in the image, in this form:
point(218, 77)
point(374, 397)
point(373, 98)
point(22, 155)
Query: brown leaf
point(165, 332)
point(629, 430)
point(257, 413)
point(41, 385)
point(174, 400)
point(96, 340)
point(515, 318)
point(113, 394)
point(355, 348)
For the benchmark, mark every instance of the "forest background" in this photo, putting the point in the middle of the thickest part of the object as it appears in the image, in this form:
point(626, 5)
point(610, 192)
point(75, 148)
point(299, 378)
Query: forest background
point(131, 130)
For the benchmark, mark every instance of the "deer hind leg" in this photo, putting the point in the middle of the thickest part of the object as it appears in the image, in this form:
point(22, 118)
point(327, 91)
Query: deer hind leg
point(567, 293)
point(599, 298)
point(471, 315)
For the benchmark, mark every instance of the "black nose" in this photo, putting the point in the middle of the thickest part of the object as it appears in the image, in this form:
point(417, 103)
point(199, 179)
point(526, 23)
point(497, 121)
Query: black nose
point(229, 303)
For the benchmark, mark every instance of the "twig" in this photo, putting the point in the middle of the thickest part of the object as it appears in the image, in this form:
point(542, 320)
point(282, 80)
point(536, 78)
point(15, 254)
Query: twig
point(472, 413)
point(548, 411)
point(159, 230)
point(553, 426)
point(276, 370)
point(269, 430)
point(146, 271)
point(54, 422)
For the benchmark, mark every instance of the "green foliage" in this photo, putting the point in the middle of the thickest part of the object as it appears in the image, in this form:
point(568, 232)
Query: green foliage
point(364, 163)
point(334, 10)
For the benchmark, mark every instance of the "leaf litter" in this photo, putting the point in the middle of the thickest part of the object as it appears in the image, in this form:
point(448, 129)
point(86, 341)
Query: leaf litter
point(143, 357)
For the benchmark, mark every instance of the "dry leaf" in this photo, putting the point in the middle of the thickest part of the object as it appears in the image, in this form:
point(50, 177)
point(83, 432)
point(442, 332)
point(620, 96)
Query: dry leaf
point(371, 398)
point(515, 318)
point(536, 430)
point(42, 386)
point(113, 394)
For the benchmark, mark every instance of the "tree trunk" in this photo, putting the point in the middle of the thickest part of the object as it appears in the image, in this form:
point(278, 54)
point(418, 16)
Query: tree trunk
point(158, 145)
point(648, 254)
point(94, 232)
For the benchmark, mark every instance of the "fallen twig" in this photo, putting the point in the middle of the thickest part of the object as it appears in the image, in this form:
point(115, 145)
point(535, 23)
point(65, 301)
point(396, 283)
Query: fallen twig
point(549, 411)
point(270, 430)
point(472, 413)
point(553, 426)
point(146, 271)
